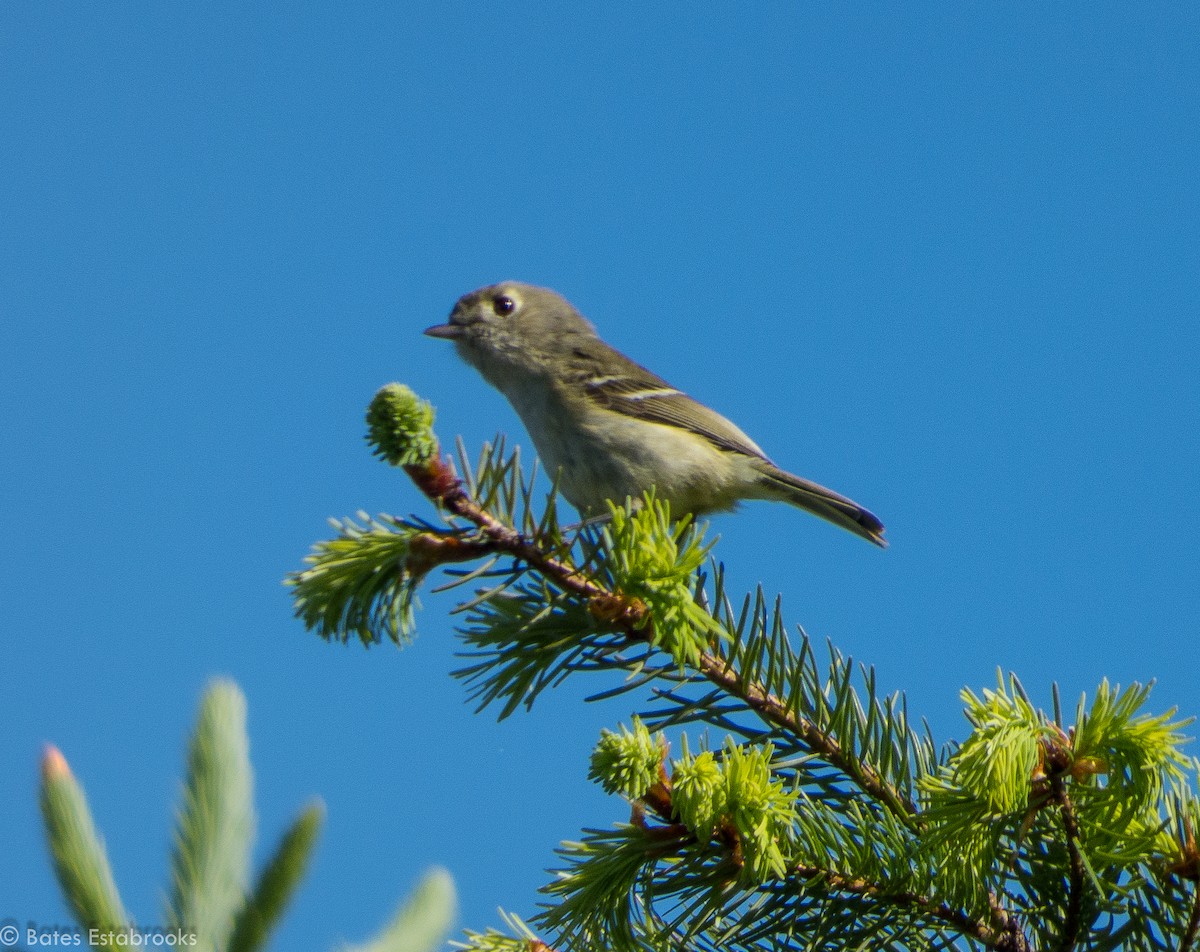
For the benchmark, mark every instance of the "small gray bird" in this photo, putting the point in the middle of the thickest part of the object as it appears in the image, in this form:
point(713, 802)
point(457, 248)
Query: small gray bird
point(609, 427)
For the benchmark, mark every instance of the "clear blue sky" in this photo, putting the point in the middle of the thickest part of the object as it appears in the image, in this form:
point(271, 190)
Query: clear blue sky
point(943, 258)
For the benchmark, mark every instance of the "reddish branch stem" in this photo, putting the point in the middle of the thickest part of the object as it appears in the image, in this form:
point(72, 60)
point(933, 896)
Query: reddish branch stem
point(1003, 939)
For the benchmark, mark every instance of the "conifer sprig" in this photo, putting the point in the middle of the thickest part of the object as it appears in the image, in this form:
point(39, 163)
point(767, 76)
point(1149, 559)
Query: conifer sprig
point(825, 815)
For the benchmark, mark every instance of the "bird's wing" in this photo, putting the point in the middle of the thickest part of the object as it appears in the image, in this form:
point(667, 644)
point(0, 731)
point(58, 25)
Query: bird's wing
point(634, 391)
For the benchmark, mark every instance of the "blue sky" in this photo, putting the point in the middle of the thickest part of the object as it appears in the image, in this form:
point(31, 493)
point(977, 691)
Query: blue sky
point(941, 258)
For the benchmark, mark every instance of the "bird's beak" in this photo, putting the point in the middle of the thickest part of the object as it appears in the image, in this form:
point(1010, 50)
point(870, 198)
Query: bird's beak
point(447, 331)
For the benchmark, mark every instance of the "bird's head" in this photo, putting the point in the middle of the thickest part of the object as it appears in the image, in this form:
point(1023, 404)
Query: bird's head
point(512, 326)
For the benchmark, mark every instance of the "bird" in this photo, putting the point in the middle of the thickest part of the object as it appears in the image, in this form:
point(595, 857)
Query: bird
point(608, 427)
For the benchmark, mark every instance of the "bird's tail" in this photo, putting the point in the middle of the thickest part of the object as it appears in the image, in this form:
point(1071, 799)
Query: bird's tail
point(822, 502)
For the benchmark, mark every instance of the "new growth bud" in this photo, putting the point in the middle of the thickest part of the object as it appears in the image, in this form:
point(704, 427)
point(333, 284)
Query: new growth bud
point(628, 763)
point(698, 793)
point(54, 764)
point(400, 427)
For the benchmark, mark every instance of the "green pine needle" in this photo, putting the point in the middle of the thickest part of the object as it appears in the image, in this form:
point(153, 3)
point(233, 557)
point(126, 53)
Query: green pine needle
point(359, 583)
point(1138, 755)
point(996, 763)
point(495, 941)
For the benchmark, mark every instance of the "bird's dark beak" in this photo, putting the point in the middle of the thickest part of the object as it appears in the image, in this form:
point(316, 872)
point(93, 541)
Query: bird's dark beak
point(447, 331)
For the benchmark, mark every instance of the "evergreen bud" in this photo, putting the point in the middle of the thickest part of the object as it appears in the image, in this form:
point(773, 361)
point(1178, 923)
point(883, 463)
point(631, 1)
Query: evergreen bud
point(627, 763)
point(400, 427)
point(760, 809)
point(655, 561)
point(698, 793)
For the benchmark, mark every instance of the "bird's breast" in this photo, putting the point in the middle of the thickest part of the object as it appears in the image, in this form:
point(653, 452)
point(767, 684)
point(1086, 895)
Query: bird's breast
point(601, 455)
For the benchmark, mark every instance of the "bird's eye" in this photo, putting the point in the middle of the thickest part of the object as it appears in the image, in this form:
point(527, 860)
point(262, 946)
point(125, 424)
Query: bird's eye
point(503, 305)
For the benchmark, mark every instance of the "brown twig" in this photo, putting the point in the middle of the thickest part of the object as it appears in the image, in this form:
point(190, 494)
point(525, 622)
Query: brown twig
point(438, 481)
point(776, 712)
point(1187, 867)
point(1076, 879)
point(1007, 923)
point(1004, 939)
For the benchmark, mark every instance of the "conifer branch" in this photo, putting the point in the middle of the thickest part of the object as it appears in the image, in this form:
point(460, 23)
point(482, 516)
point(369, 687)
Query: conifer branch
point(439, 482)
point(824, 812)
point(1003, 939)
point(774, 711)
point(436, 478)
point(634, 765)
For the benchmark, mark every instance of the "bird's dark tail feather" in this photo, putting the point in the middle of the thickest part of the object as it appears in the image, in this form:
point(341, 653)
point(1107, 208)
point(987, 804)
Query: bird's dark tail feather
point(824, 503)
